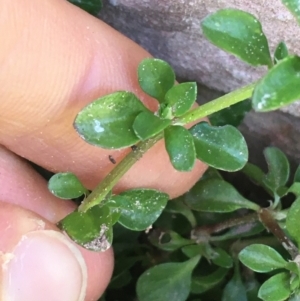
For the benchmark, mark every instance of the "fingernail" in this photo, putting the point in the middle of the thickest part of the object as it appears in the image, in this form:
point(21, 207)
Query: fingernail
point(46, 266)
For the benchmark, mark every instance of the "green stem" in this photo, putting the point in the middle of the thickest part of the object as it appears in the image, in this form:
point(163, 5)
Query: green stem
point(101, 191)
point(107, 184)
point(216, 105)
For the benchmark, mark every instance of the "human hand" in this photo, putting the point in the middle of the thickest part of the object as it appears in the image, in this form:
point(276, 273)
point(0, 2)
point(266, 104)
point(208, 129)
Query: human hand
point(55, 59)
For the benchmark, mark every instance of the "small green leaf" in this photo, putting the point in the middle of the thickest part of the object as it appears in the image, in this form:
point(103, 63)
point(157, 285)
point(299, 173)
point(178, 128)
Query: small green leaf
point(276, 288)
point(279, 168)
point(281, 52)
point(180, 147)
point(239, 33)
point(167, 281)
point(261, 258)
point(279, 87)
point(169, 240)
point(293, 221)
point(235, 289)
point(297, 175)
point(177, 206)
point(91, 229)
point(194, 250)
point(254, 173)
point(222, 258)
point(214, 195)
point(66, 185)
point(181, 98)
point(293, 267)
point(216, 255)
point(107, 122)
point(147, 125)
point(139, 208)
point(91, 6)
point(232, 115)
point(293, 6)
point(156, 77)
point(115, 214)
point(201, 284)
point(220, 147)
point(294, 282)
point(295, 189)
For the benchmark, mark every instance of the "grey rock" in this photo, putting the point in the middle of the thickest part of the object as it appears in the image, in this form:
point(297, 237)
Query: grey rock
point(170, 30)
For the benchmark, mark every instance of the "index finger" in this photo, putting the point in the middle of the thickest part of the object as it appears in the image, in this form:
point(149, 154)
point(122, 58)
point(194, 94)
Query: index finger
point(56, 60)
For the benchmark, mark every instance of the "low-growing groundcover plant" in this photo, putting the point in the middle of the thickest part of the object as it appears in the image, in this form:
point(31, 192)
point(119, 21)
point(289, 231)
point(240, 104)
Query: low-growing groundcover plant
point(213, 243)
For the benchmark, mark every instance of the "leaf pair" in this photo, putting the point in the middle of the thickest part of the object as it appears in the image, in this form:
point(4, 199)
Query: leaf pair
point(220, 147)
point(157, 78)
point(264, 259)
point(136, 209)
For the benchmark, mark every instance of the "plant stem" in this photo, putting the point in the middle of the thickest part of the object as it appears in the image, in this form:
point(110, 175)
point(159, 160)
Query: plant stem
point(271, 224)
point(101, 191)
point(216, 105)
point(210, 229)
point(107, 184)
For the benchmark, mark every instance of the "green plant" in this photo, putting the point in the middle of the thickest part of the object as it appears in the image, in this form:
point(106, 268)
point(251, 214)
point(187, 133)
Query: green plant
point(199, 240)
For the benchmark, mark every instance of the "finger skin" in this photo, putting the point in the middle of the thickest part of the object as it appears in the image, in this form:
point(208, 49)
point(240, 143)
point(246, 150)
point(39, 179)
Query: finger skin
point(23, 186)
point(16, 223)
point(57, 60)
point(26, 206)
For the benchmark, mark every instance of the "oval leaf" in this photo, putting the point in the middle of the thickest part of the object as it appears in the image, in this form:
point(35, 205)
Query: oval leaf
point(201, 284)
point(139, 208)
point(194, 250)
point(66, 185)
point(107, 122)
point(156, 77)
point(147, 125)
point(261, 258)
point(281, 52)
point(91, 229)
point(277, 288)
point(239, 33)
point(177, 206)
point(220, 147)
point(181, 97)
point(214, 195)
point(91, 6)
point(168, 281)
point(279, 87)
point(180, 147)
point(279, 168)
point(293, 6)
point(235, 289)
point(293, 221)
point(222, 258)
